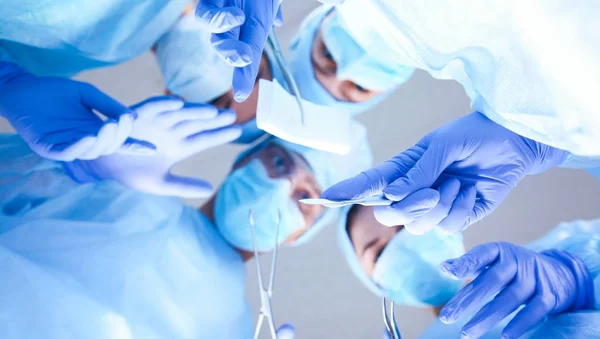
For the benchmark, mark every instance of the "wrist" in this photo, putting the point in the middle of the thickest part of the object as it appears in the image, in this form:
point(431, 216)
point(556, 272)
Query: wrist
point(545, 156)
point(584, 283)
point(80, 171)
point(10, 71)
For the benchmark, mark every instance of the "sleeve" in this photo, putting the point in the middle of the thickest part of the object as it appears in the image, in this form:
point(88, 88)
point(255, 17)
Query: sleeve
point(574, 161)
point(26, 179)
point(579, 238)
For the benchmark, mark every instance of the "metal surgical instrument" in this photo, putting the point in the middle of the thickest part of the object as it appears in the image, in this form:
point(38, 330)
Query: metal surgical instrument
point(390, 320)
point(265, 293)
point(273, 42)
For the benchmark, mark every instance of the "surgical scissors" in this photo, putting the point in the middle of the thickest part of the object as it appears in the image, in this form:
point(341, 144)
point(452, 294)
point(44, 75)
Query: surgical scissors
point(265, 293)
point(273, 41)
point(390, 320)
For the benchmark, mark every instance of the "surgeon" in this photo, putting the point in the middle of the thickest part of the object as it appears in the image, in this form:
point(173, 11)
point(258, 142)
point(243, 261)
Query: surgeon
point(99, 260)
point(393, 263)
point(331, 69)
point(57, 116)
point(556, 275)
point(195, 72)
point(525, 120)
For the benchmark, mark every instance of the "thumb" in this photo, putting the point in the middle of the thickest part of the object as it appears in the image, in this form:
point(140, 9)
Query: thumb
point(95, 99)
point(286, 331)
point(184, 187)
point(424, 173)
point(374, 180)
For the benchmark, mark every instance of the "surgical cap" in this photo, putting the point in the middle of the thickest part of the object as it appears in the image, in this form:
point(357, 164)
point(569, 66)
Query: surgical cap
point(194, 71)
point(327, 168)
point(427, 286)
point(353, 61)
point(361, 64)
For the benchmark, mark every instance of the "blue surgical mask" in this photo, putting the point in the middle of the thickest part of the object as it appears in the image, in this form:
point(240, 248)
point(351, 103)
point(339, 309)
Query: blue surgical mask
point(250, 188)
point(408, 269)
point(300, 63)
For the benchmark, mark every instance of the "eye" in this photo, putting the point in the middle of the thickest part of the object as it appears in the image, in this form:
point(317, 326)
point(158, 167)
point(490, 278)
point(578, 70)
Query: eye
point(278, 164)
point(378, 254)
point(327, 54)
point(361, 89)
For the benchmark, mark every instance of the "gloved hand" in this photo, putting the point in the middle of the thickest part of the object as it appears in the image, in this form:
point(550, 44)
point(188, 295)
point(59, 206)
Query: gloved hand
point(453, 177)
point(55, 116)
point(178, 132)
point(547, 283)
point(240, 30)
point(286, 331)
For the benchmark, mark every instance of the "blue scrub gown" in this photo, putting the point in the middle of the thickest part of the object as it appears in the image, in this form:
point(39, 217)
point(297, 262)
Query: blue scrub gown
point(103, 261)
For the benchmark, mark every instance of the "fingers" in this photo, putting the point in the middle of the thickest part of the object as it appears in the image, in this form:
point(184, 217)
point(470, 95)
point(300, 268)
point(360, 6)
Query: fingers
point(507, 301)
point(188, 112)
point(137, 147)
point(471, 262)
point(409, 209)
point(94, 99)
point(286, 331)
point(208, 139)
point(254, 33)
point(184, 187)
point(157, 105)
point(448, 192)
point(105, 136)
point(374, 180)
point(488, 283)
point(424, 173)
point(459, 216)
point(230, 49)
point(528, 317)
point(218, 19)
point(190, 128)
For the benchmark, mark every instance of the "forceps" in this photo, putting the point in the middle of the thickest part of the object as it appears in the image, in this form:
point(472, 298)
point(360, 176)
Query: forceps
point(390, 320)
point(265, 293)
point(273, 42)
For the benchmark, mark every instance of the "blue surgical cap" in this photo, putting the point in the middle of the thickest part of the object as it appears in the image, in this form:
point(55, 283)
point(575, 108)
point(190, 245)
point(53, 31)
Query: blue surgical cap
point(363, 66)
point(327, 168)
point(348, 54)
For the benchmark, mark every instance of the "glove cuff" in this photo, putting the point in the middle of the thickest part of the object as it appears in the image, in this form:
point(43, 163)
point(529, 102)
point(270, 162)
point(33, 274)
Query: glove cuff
point(80, 172)
point(583, 279)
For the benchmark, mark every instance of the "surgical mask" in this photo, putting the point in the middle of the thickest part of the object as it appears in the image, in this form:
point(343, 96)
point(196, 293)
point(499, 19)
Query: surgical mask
point(301, 67)
point(408, 269)
point(250, 188)
point(365, 68)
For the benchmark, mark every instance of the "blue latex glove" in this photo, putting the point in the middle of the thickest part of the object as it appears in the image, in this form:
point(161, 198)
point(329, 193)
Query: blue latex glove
point(178, 132)
point(240, 30)
point(547, 283)
point(286, 331)
point(55, 116)
point(451, 178)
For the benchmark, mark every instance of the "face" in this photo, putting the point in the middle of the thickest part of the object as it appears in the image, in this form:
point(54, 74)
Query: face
point(246, 110)
point(325, 71)
point(368, 236)
point(281, 163)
